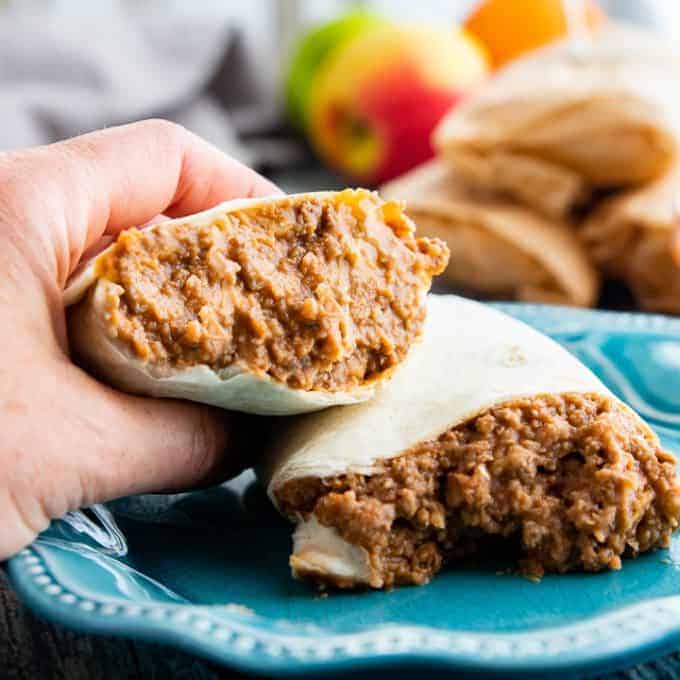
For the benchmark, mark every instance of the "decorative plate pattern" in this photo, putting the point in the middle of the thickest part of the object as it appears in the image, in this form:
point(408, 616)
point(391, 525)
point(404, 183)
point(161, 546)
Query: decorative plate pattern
point(207, 571)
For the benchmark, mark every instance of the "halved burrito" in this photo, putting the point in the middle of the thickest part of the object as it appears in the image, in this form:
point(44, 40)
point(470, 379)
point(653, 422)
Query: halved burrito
point(498, 248)
point(272, 306)
point(489, 432)
point(570, 120)
point(634, 236)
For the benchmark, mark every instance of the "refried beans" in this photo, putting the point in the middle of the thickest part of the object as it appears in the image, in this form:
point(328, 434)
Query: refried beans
point(571, 480)
point(316, 292)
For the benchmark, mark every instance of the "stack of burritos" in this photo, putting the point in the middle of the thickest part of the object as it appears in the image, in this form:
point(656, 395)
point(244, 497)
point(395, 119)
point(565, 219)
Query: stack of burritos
point(561, 171)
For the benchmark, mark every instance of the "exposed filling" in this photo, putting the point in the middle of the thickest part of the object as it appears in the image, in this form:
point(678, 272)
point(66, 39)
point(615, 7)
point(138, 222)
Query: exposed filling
point(571, 480)
point(317, 293)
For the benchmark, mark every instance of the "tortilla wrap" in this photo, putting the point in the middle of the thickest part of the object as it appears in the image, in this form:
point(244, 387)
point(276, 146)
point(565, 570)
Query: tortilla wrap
point(233, 387)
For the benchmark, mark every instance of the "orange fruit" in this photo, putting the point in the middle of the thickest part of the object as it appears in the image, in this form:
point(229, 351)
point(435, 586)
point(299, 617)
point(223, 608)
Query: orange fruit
point(509, 28)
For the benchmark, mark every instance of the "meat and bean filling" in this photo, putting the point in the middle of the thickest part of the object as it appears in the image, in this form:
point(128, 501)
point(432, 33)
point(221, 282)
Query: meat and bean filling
point(318, 293)
point(571, 480)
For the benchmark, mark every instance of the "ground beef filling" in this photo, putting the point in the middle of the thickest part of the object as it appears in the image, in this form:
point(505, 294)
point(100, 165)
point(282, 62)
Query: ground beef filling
point(571, 480)
point(317, 293)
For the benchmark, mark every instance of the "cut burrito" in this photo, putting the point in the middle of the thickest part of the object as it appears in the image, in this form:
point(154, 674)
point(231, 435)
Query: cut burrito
point(498, 248)
point(633, 236)
point(489, 432)
point(570, 120)
point(271, 306)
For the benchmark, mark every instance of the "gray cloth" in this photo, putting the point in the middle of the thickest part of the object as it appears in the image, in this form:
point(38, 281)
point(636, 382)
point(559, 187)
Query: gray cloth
point(60, 78)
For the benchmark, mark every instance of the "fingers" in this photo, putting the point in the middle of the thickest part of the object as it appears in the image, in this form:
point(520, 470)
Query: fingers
point(130, 444)
point(78, 190)
point(74, 442)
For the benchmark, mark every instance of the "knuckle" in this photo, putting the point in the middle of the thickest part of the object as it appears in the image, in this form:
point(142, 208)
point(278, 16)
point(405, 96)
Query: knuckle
point(164, 129)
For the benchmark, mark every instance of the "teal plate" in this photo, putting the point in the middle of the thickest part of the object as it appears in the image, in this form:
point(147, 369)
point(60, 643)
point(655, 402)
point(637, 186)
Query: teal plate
point(208, 571)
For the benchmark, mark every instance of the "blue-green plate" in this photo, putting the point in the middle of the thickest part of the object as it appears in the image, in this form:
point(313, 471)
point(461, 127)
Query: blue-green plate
point(208, 571)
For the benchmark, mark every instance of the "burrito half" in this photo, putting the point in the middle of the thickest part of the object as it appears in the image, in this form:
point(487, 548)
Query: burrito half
point(490, 431)
point(498, 248)
point(269, 306)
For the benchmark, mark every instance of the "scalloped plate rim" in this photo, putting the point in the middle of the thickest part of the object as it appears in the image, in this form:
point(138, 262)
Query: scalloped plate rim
point(569, 656)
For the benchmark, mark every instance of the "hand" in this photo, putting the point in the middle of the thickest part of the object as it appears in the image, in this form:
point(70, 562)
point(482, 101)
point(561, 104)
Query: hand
point(66, 440)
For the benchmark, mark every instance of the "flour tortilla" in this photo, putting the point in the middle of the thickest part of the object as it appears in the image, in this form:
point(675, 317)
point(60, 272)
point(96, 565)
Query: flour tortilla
point(498, 248)
point(233, 388)
point(472, 358)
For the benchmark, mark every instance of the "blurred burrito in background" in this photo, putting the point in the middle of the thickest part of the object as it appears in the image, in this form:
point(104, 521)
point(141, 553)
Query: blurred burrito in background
point(554, 129)
point(563, 168)
point(498, 248)
point(633, 236)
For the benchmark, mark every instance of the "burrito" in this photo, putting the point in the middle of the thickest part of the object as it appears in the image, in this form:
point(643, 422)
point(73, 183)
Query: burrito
point(633, 237)
point(498, 248)
point(276, 306)
point(570, 121)
point(489, 434)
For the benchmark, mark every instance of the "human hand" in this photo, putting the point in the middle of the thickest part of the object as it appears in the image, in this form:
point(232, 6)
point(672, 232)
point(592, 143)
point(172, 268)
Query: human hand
point(67, 440)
